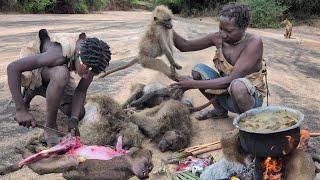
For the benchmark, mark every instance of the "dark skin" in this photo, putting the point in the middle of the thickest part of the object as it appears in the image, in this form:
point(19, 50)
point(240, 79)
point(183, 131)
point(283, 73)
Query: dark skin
point(245, 56)
point(57, 75)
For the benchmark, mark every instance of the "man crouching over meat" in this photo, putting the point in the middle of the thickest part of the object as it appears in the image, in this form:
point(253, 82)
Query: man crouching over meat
point(44, 69)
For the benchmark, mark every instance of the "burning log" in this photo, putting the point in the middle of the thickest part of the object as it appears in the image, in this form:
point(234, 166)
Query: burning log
point(272, 169)
point(304, 137)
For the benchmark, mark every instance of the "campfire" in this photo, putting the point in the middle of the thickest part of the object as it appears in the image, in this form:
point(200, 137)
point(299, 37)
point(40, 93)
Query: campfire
point(274, 151)
point(272, 168)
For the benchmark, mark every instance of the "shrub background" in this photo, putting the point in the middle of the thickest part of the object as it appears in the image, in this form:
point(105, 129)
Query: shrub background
point(266, 13)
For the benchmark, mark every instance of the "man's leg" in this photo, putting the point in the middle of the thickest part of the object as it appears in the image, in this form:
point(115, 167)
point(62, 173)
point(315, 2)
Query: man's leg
point(57, 78)
point(66, 102)
point(216, 104)
point(204, 72)
point(242, 96)
point(67, 108)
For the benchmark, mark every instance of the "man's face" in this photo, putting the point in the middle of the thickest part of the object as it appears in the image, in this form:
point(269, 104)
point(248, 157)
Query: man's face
point(82, 70)
point(230, 31)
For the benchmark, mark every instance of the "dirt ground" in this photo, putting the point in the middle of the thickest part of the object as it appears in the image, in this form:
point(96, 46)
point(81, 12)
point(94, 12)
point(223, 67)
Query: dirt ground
point(293, 71)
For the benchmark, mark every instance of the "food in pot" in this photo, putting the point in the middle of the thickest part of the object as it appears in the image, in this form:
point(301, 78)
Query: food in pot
point(268, 121)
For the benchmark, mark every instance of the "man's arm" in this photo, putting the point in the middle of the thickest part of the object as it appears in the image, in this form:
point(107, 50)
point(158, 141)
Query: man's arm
point(246, 64)
point(52, 57)
point(197, 44)
point(79, 96)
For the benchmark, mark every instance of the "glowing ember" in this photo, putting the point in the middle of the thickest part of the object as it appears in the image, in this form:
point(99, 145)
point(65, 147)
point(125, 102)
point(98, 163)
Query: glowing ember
point(290, 145)
point(272, 169)
point(304, 136)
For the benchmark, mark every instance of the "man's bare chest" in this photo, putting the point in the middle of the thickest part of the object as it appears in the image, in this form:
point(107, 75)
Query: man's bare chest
point(232, 53)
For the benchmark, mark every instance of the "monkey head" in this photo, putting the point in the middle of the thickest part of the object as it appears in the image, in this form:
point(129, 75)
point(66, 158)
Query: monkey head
point(162, 16)
point(172, 140)
point(140, 161)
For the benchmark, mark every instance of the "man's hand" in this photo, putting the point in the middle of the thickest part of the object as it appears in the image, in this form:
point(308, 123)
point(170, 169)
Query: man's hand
point(24, 118)
point(217, 39)
point(73, 126)
point(184, 84)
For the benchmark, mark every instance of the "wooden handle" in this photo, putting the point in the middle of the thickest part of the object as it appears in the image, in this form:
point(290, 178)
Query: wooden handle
point(201, 146)
point(208, 149)
point(314, 134)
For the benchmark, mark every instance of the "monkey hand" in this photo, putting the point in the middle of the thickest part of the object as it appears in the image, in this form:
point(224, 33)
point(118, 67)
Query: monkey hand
point(73, 126)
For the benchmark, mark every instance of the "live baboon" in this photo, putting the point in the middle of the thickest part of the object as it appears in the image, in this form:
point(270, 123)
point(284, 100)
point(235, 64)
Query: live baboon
point(288, 29)
point(156, 41)
point(168, 124)
point(137, 162)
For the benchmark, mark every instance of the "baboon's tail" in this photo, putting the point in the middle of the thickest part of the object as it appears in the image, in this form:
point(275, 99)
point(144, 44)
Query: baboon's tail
point(195, 109)
point(135, 60)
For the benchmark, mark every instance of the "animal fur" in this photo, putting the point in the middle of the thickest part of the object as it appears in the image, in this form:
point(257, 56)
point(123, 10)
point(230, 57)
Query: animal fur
point(137, 162)
point(231, 148)
point(288, 30)
point(155, 42)
point(150, 95)
point(103, 123)
point(300, 166)
point(168, 124)
point(105, 120)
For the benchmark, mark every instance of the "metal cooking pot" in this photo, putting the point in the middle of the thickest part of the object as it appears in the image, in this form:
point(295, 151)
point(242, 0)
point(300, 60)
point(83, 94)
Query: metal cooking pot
point(275, 143)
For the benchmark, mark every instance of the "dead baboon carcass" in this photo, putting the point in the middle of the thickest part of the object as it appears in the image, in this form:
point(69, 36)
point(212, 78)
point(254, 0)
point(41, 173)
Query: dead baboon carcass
point(168, 124)
point(156, 41)
point(104, 121)
point(138, 162)
point(150, 95)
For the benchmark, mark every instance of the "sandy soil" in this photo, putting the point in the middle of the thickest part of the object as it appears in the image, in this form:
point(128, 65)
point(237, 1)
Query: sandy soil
point(293, 71)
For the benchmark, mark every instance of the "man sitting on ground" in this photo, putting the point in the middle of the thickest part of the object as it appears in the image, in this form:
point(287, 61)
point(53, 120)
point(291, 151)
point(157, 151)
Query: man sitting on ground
point(239, 62)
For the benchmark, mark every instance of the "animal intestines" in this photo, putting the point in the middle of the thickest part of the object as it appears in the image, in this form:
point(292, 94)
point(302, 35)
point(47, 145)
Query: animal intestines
point(155, 42)
point(168, 124)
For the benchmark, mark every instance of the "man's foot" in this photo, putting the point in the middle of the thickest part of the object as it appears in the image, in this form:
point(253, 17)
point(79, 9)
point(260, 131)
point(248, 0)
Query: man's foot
point(51, 138)
point(214, 114)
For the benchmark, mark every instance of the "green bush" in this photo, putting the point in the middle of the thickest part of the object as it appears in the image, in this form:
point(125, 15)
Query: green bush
point(7, 5)
point(302, 8)
point(97, 5)
point(190, 7)
point(38, 6)
point(174, 5)
point(265, 13)
point(81, 8)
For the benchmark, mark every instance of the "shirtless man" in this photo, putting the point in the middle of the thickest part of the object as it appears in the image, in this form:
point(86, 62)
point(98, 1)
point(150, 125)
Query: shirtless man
point(44, 69)
point(239, 62)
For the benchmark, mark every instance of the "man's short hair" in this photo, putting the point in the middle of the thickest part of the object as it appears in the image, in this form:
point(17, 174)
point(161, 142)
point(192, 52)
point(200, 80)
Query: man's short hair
point(239, 11)
point(96, 54)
